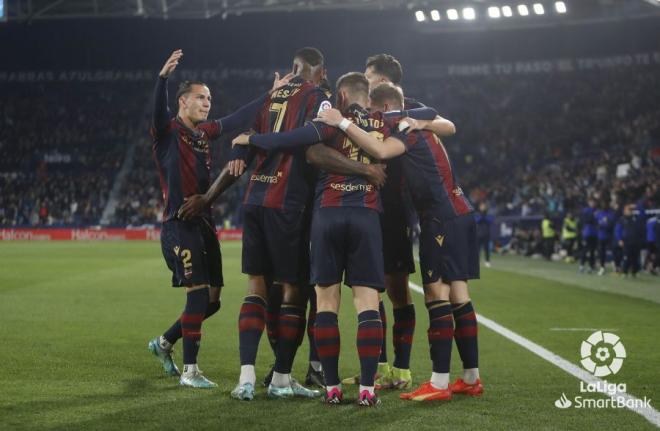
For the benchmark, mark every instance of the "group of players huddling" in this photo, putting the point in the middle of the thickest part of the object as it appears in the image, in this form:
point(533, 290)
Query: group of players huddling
point(320, 210)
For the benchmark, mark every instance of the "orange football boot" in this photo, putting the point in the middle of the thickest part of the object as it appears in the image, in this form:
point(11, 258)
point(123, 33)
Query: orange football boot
point(460, 387)
point(427, 392)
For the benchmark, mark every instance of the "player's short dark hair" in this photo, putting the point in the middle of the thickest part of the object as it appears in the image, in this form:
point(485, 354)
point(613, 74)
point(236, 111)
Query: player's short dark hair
point(310, 55)
point(186, 87)
point(386, 65)
point(354, 82)
point(386, 93)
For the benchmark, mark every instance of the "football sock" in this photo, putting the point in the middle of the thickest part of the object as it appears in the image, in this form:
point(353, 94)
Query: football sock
point(191, 323)
point(189, 369)
point(273, 313)
point(162, 341)
point(370, 389)
point(465, 334)
point(440, 380)
point(402, 335)
point(247, 375)
point(311, 319)
point(369, 342)
point(251, 323)
point(280, 380)
point(383, 319)
point(471, 375)
point(173, 334)
point(440, 334)
point(290, 331)
point(326, 336)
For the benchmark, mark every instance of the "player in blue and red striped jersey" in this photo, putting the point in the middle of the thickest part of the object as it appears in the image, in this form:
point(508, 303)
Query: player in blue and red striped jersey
point(448, 248)
point(253, 312)
point(190, 247)
point(397, 222)
point(273, 229)
point(345, 237)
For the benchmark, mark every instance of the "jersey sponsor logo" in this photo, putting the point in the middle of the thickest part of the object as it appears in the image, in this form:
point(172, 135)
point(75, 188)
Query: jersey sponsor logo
point(199, 145)
point(350, 187)
point(325, 105)
point(270, 179)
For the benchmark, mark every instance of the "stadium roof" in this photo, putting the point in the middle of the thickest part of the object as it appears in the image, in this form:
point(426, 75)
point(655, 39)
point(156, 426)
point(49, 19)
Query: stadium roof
point(578, 10)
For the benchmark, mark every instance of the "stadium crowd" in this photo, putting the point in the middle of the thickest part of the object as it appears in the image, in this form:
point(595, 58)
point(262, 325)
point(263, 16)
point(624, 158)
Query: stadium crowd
point(58, 160)
point(526, 145)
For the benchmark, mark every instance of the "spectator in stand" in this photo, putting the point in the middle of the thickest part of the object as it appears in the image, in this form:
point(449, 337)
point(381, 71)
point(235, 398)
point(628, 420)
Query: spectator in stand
point(617, 247)
point(589, 235)
point(606, 218)
point(548, 233)
point(632, 231)
point(653, 256)
point(569, 233)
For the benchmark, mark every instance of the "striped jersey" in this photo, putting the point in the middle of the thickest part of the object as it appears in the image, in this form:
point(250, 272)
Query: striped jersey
point(350, 191)
point(278, 177)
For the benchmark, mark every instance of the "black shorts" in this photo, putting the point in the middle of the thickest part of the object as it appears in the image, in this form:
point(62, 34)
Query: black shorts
point(448, 250)
point(273, 243)
point(347, 240)
point(397, 242)
point(192, 252)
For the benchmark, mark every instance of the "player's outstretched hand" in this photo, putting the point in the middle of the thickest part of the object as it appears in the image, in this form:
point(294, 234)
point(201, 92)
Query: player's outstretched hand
point(236, 167)
point(171, 64)
point(281, 82)
point(192, 206)
point(376, 174)
point(331, 117)
point(242, 139)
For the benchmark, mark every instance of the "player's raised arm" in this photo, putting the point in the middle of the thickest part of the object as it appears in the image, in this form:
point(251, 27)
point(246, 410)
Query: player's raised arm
point(244, 117)
point(161, 113)
point(387, 149)
point(333, 162)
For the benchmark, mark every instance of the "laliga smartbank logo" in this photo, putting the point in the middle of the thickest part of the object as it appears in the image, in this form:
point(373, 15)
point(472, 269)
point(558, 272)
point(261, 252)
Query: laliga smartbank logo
point(602, 355)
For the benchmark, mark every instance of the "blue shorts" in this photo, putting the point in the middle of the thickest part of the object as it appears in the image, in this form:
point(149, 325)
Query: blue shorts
point(348, 241)
point(192, 252)
point(397, 242)
point(448, 249)
point(273, 243)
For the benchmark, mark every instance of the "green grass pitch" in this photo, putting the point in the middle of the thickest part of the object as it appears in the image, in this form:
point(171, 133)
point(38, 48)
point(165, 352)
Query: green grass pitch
point(76, 318)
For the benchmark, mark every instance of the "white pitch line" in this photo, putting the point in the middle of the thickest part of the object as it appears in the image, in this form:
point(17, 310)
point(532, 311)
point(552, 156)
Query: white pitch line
point(584, 329)
point(649, 413)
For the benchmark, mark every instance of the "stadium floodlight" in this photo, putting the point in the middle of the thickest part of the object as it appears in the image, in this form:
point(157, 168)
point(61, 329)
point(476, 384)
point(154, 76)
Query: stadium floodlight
point(539, 9)
point(420, 16)
point(469, 13)
point(560, 7)
point(523, 10)
point(435, 15)
point(452, 14)
point(494, 12)
point(507, 11)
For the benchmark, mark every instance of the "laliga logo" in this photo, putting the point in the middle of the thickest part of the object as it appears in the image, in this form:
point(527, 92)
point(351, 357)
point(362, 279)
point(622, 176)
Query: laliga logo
point(602, 354)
